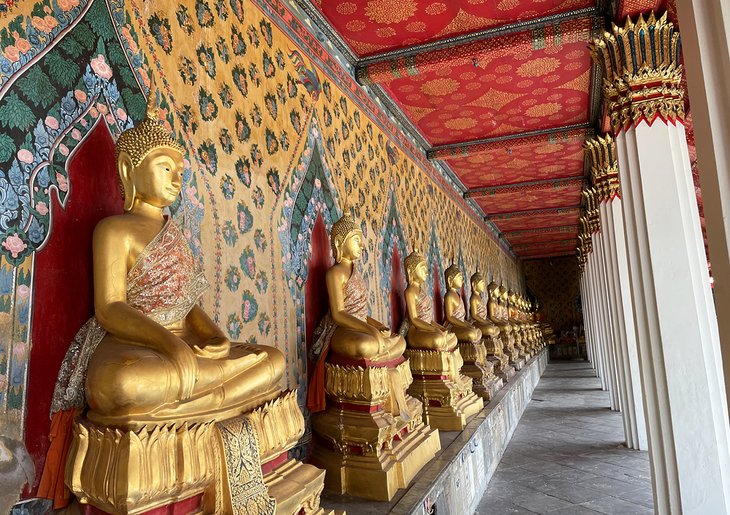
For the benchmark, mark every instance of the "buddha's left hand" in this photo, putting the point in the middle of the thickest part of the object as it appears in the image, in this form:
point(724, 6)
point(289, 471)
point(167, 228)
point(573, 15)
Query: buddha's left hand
point(214, 348)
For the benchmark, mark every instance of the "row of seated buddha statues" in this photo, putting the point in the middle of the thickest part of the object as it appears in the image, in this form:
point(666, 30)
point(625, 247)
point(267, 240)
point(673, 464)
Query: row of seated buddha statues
point(163, 412)
point(379, 398)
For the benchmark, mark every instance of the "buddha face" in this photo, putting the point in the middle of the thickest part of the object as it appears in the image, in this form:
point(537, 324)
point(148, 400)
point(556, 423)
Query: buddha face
point(478, 287)
point(457, 281)
point(421, 271)
point(352, 246)
point(156, 181)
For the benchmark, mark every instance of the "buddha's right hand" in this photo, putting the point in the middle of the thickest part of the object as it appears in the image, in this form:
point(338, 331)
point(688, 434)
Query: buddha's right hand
point(186, 364)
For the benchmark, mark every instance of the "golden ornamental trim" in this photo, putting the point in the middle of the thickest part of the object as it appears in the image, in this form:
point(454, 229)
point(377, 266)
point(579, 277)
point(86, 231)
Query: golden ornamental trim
point(279, 425)
point(603, 162)
point(642, 71)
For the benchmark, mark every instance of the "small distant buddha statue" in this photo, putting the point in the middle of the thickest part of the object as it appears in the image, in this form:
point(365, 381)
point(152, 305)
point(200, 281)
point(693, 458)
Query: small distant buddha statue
point(479, 316)
point(423, 332)
point(454, 311)
point(498, 313)
point(471, 345)
point(152, 366)
point(364, 422)
point(436, 362)
point(513, 317)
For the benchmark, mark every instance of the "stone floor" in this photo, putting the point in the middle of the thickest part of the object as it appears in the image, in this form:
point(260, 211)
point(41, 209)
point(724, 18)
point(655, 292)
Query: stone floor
point(566, 455)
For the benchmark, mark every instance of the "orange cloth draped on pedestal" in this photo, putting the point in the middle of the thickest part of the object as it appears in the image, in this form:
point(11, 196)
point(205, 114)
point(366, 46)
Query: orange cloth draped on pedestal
point(52, 486)
point(315, 393)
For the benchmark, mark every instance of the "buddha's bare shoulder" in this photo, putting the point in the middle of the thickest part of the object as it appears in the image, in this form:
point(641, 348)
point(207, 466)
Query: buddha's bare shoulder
point(115, 226)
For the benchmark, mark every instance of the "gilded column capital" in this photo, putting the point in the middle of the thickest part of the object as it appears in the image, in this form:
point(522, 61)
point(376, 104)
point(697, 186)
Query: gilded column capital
point(592, 214)
point(642, 71)
point(603, 162)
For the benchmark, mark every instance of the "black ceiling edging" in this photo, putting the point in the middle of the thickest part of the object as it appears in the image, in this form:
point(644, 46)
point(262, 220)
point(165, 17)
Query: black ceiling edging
point(507, 137)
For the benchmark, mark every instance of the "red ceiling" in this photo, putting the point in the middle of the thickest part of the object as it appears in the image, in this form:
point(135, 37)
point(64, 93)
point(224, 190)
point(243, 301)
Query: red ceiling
point(540, 235)
point(506, 112)
point(521, 160)
point(545, 219)
point(507, 85)
point(536, 198)
point(371, 26)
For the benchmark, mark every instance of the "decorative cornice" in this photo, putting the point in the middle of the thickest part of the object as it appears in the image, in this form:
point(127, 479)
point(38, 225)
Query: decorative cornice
point(332, 35)
point(575, 132)
point(533, 212)
point(603, 160)
point(642, 71)
point(557, 184)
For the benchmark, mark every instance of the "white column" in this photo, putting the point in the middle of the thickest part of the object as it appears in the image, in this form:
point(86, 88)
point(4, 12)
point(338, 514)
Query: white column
point(706, 49)
point(584, 305)
point(605, 321)
point(676, 326)
point(595, 317)
point(601, 154)
point(621, 299)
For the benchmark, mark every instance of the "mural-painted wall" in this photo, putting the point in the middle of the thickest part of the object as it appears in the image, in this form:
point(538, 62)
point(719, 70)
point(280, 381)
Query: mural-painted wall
point(276, 131)
point(555, 283)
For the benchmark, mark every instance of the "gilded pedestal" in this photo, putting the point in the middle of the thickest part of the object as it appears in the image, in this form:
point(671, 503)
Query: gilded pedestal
point(446, 393)
point(370, 446)
point(295, 486)
point(498, 358)
point(480, 369)
point(134, 471)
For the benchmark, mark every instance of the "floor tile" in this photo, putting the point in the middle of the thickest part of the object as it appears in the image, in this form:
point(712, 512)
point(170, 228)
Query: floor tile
point(567, 456)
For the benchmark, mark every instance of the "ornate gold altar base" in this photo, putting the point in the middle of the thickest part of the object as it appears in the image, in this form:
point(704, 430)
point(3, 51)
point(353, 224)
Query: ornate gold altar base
point(512, 352)
point(134, 471)
point(368, 444)
point(498, 358)
point(480, 369)
point(447, 395)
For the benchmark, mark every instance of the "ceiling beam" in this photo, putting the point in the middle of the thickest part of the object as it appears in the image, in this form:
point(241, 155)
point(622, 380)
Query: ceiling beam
point(548, 255)
point(525, 186)
point(533, 212)
point(472, 37)
point(554, 243)
point(543, 230)
point(467, 148)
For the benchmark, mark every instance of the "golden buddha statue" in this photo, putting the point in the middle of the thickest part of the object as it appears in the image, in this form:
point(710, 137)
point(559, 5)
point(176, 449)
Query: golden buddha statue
point(479, 316)
point(447, 395)
point(498, 314)
point(158, 376)
point(423, 332)
point(471, 344)
point(513, 318)
point(365, 424)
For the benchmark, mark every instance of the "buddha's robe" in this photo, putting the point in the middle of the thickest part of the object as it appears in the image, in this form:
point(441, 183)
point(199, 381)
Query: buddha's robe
point(355, 303)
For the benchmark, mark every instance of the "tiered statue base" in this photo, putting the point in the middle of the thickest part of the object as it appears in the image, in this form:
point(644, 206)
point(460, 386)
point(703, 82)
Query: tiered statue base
point(513, 353)
point(370, 446)
point(171, 467)
point(447, 395)
point(294, 485)
point(498, 358)
point(480, 369)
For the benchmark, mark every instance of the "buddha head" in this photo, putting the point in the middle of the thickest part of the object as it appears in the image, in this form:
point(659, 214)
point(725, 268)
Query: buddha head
point(493, 290)
point(149, 161)
point(346, 239)
point(454, 278)
point(477, 283)
point(415, 266)
point(502, 292)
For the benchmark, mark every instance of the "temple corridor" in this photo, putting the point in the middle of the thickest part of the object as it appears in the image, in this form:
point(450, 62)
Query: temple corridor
point(567, 456)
